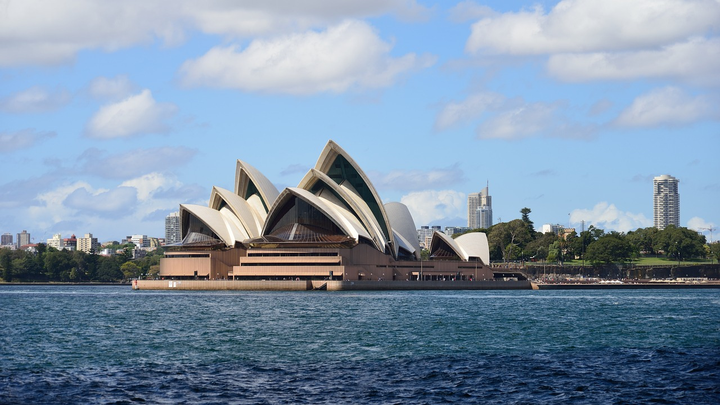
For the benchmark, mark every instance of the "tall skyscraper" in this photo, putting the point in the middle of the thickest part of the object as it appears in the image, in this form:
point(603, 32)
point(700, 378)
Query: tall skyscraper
point(666, 201)
point(172, 228)
point(480, 209)
point(23, 238)
point(7, 239)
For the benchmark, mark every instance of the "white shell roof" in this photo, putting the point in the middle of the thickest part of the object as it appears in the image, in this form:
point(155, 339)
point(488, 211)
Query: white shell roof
point(450, 242)
point(245, 172)
point(403, 224)
point(248, 216)
point(475, 244)
point(224, 227)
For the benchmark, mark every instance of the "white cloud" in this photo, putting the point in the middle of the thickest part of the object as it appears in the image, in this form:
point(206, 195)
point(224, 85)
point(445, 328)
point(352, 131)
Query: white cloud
point(522, 122)
point(610, 218)
point(35, 100)
point(12, 141)
point(668, 105)
point(136, 162)
point(73, 25)
point(473, 107)
point(135, 115)
point(345, 56)
point(469, 10)
point(694, 61)
point(115, 88)
point(589, 25)
point(147, 185)
point(117, 202)
point(405, 180)
point(702, 226)
point(432, 205)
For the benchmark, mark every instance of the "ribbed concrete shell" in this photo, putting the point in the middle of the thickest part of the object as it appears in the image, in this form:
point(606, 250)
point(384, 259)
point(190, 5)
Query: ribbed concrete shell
point(439, 238)
point(475, 244)
point(340, 216)
point(222, 225)
point(356, 205)
point(328, 163)
point(254, 187)
point(249, 218)
point(403, 224)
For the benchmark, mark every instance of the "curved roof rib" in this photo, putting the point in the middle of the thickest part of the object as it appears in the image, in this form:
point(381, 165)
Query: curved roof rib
point(211, 221)
point(343, 220)
point(475, 244)
point(318, 182)
point(249, 218)
point(402, 223)
point(444, 247)
point(343, 170)
point(250, 182)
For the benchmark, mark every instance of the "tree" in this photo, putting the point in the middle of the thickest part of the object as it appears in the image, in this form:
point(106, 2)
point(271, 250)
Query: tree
point(643, 239)
point(715, 250)
point(130, 270)
point(526, 220)
point(608, 249)
point(580, 243)
point(6, 264)
point(108, 269)
point(506, 234)
point(680, 243)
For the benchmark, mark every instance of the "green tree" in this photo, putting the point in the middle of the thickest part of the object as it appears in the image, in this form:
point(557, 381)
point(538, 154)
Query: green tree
point(581, 242)
point(526, 220)
point(715, 250)
point(6, 264)
point(680, 243)
point(130, 270)
point(108, 269)
point(643, 239)
point(505, 236)
point(608, 249)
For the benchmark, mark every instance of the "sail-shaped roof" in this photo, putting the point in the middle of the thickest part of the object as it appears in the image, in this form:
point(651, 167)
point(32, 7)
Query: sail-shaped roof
point(402, 223)
point(251, 184)
point(342, 169)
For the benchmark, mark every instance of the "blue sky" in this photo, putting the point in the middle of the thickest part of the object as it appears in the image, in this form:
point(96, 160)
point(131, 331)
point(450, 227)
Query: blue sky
point(114, 113)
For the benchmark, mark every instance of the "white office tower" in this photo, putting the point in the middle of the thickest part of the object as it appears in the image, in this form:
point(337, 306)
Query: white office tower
point(480, 209)
point(666, 201)
point(172, 228)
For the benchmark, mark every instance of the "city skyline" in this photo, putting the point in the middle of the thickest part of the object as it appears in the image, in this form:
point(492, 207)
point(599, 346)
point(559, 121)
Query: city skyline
point(108, 123)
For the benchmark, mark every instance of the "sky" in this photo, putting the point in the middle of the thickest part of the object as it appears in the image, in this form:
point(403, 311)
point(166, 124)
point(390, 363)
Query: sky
point(114, 113)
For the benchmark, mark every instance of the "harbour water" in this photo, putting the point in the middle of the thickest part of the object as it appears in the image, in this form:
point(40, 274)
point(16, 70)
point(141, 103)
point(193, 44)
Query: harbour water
point(92, 344)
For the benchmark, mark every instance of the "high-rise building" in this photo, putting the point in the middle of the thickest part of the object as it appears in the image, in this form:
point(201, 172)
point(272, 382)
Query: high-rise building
point(88, 244)
point(7, 239)
point(666, 201)
point(56, 241)
point(23, 238)
point(480, 209)
point(172, 228)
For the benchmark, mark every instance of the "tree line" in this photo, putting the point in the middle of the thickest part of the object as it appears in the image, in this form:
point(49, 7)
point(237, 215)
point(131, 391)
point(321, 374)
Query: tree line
point(518, 240)
point(48, 264)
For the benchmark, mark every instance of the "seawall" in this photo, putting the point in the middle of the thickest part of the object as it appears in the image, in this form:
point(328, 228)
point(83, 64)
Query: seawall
point(305, 285)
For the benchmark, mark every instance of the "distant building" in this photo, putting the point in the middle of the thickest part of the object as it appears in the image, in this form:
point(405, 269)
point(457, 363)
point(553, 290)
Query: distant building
point(140, 240)
point(666, 201)
point(425, 234)
point(71, 243)
point(552, 228)
point(23, 238)
point(88, 243)
point(172, 228)
point(7, 239)
point(452, 230)
point(56, 241)
point(480, 209)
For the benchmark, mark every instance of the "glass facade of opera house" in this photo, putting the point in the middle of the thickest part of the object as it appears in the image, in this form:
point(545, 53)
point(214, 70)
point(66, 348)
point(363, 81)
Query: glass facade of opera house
point(332, 226)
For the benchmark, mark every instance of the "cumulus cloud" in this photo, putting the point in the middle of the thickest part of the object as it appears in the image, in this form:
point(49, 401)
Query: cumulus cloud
point(117, 202)
point(588, 26)
point(500, 117)
point(136, 162)
point(668, 105)
point(73, 25)
point(473, 107)
point(406, 180)
point(135, 115)
point(12, 141)
point(35, 100)
point(345, 56)
point(432, 205)
point(700, 225)
point(115, 88)
point(694, 61)
point(607, 216)
point(147, 185)
point(610, 40)
point(469, 10)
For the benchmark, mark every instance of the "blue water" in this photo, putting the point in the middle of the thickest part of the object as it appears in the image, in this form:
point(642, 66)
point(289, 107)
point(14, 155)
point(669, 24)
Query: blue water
point(73, 344)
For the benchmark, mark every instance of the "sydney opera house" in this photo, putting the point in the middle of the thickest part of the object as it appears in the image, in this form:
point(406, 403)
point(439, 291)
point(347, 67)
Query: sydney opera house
point(332, 226)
